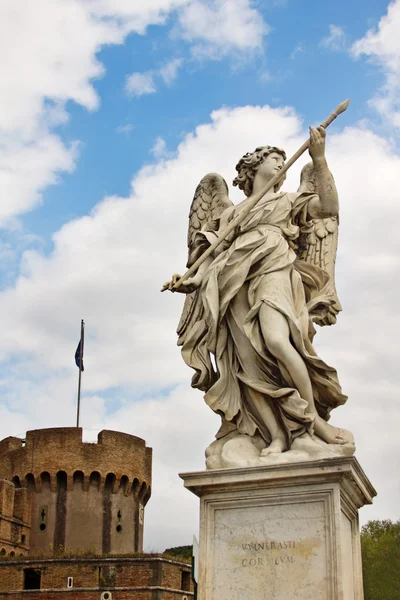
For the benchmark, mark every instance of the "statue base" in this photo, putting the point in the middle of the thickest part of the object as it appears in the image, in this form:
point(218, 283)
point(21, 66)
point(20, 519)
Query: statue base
point(238, 450)
point(282, 532)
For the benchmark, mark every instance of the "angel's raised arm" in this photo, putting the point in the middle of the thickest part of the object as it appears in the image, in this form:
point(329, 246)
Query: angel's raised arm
point(326, 204)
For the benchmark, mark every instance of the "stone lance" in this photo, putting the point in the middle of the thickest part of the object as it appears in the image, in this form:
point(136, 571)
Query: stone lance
point(252, 200)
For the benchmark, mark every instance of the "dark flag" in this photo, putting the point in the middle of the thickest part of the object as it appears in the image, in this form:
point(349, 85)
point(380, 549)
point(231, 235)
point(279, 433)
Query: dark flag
point(78, 362)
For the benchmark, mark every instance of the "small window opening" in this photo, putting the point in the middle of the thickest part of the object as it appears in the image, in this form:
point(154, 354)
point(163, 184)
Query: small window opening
point(185, 581)
point(30, 482)
point(12, 553)
point(23, 538)
point(94, 480)
point(42, 518)
point(70, 582)
point(3, 552)
point(119, 528)
point(32, 579)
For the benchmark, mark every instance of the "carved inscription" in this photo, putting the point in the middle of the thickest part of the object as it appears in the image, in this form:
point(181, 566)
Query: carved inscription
point(272, 552)
point(269, 545)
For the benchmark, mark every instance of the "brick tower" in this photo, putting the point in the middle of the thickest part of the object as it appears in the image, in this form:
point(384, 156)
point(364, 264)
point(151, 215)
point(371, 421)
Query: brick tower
point(59, 493)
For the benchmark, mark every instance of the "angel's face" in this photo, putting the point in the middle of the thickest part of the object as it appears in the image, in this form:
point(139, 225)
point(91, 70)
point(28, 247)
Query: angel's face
point(270, 166)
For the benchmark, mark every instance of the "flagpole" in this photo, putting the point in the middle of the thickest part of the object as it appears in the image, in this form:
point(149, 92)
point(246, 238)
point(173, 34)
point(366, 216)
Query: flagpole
point(80, 372)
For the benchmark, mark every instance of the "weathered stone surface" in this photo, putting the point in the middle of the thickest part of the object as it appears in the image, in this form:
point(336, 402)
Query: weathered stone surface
point(261, 273)
point(286, 532)
point(236, 450)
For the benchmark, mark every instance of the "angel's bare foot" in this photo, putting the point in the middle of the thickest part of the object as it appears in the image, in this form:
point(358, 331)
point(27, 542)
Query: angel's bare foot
point(331, 434)
point(276, 447)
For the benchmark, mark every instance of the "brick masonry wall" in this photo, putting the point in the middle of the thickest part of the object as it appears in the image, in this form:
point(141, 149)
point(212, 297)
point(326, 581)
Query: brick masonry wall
point(62, 449)
point(14, 519)
point(139, 578)
point(129, 594)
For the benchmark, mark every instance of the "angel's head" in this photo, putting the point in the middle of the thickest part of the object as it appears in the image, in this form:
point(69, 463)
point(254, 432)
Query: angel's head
point(249, 164)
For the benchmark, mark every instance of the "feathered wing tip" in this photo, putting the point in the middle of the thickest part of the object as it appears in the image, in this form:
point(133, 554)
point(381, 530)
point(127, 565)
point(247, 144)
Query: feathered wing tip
point(318, 245)
point(209, 202)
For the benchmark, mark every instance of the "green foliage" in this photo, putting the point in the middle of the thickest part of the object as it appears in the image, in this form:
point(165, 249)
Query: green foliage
point(180, 552)
point(380, 544)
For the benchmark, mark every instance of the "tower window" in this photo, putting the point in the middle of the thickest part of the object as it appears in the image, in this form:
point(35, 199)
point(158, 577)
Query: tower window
point(185, 581)
point(32, 579)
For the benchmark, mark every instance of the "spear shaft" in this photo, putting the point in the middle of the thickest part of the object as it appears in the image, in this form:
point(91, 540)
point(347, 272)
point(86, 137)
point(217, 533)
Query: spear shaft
point(254, 199)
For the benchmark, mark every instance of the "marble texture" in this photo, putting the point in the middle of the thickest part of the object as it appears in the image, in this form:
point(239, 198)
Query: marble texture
point(284, 532)
point(236, 450)
point(263, 274)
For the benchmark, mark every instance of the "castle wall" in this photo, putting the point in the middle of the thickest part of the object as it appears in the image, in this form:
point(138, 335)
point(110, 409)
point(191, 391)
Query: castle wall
point(84, 496)
point(143, 578)
point(61, 449)
point(43, 517)
point(85, 519)
point(122, 522)
point(14, 519)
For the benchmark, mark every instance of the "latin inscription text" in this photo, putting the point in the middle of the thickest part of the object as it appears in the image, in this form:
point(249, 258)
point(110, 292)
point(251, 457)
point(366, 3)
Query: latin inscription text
point(274, 550)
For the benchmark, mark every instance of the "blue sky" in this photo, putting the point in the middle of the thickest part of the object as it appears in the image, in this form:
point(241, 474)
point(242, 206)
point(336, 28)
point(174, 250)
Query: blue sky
point(110, 113)
point(291, 65)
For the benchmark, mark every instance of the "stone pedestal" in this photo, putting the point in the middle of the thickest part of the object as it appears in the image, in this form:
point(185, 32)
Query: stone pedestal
point(287, 532)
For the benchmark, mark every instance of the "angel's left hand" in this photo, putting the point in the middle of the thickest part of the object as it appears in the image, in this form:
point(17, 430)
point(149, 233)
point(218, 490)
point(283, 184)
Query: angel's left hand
point(187, 287)
point(317, 143)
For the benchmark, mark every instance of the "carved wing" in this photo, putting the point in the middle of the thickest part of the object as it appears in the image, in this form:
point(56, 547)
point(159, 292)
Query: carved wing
point(209, 201)
point(318, 244)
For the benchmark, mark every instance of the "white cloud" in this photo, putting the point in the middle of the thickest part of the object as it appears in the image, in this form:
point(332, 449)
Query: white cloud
point(382, 45)
point(126, 129)
point(298, 49)
point(169, 71)
point(27, 168)
point(219, 27)
point(140, 84)
point(109, 266)
point(51, 49)
point(159, 150)
point(336, 40)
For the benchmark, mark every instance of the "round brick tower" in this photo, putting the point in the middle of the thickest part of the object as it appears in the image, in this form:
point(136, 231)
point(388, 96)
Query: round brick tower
point(82, 496)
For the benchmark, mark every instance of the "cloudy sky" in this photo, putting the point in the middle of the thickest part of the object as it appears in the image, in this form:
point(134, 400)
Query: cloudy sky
point(111, 111)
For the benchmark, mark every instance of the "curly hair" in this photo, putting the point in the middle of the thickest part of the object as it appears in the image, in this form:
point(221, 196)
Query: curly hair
point(248, 165)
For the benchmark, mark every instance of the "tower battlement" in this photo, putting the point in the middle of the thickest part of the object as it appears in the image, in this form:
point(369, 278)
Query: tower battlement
point(82, 495)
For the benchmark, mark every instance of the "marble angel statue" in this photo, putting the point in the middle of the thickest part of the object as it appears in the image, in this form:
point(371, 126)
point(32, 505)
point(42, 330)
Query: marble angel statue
point(247, 325)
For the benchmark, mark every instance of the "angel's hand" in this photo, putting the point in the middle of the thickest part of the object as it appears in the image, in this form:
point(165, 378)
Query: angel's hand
point(188, 286)
point(317, 143)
